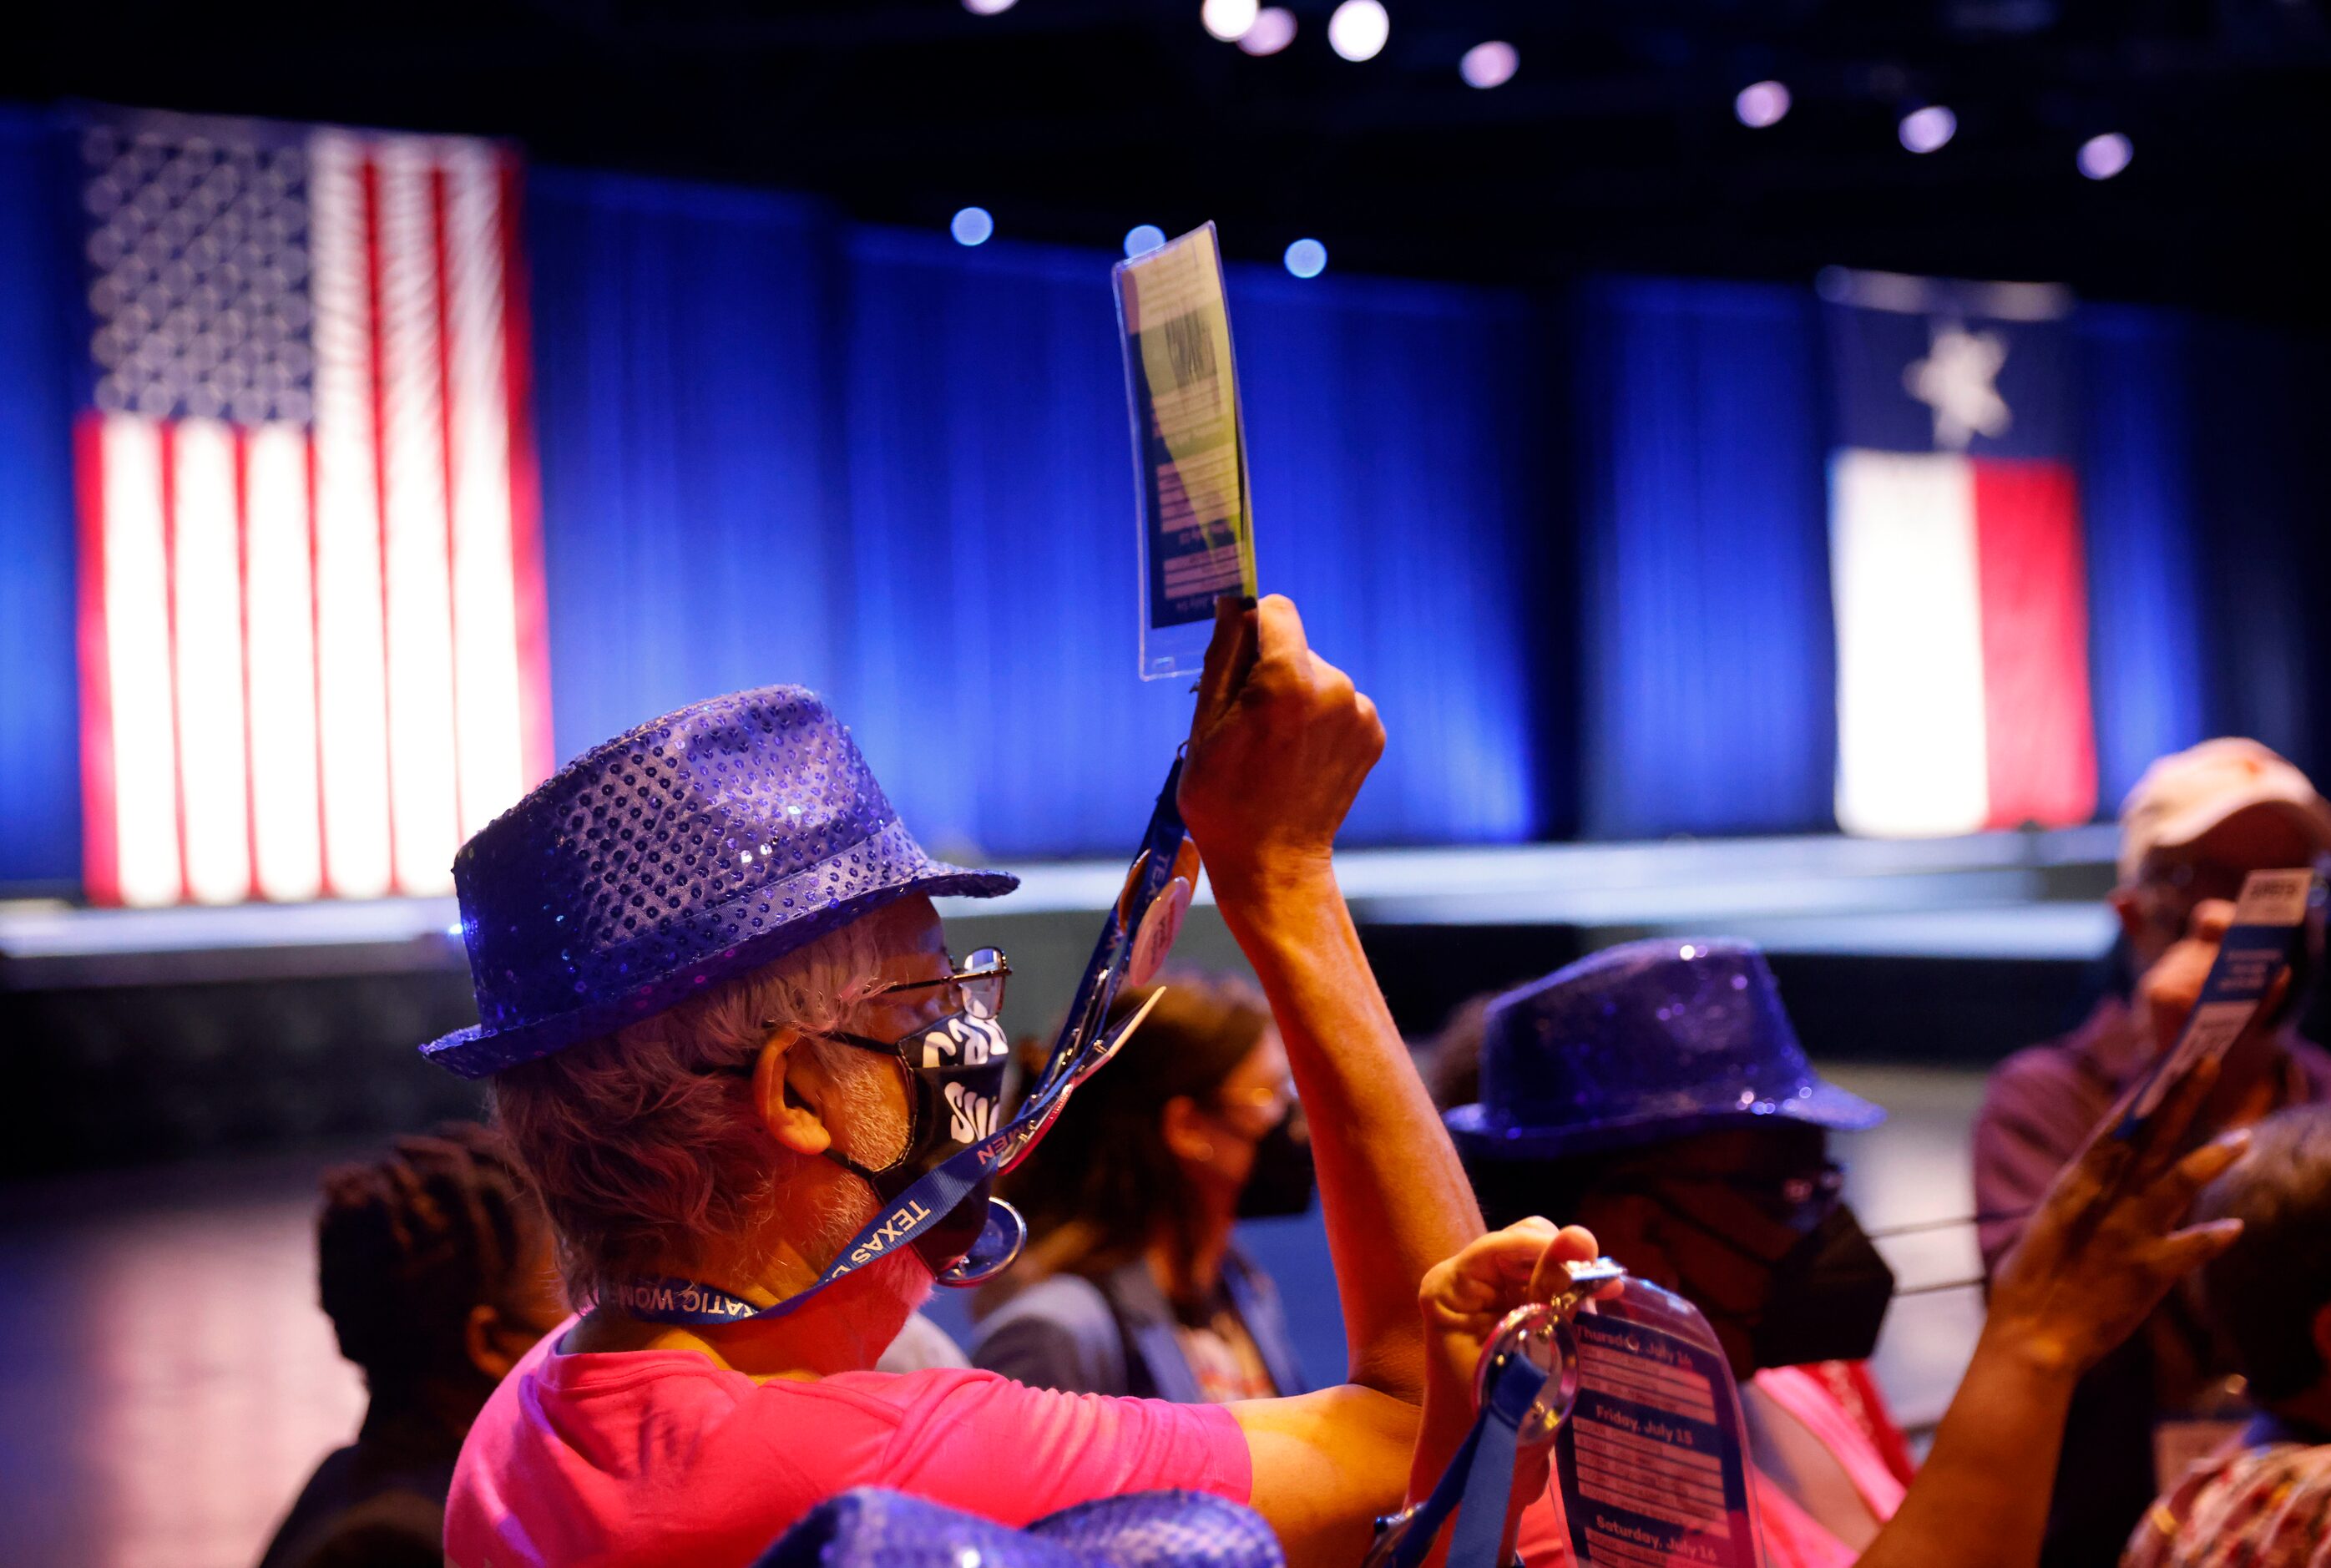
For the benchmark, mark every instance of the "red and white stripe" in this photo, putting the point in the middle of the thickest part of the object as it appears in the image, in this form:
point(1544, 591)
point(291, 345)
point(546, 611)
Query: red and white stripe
point(1961, 637)
point(312, 656)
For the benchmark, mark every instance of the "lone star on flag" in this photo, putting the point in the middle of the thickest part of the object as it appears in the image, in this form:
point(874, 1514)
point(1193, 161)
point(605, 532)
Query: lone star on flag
point(1955, 380)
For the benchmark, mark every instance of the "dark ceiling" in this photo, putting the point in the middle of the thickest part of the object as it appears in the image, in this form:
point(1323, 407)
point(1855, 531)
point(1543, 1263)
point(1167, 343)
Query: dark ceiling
point(1614, 148)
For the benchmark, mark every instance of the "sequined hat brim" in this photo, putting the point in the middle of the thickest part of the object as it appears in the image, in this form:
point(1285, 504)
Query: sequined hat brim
point(1823, 1105)
point(477, 1051)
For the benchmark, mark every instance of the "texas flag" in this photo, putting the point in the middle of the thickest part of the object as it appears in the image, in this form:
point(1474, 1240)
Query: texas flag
point(1956, 559)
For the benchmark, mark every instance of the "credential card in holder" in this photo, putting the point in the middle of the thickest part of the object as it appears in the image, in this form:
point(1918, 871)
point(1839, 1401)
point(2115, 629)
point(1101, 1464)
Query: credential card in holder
point(1189, 445)
point(2267, 938)
point(1652, 1464)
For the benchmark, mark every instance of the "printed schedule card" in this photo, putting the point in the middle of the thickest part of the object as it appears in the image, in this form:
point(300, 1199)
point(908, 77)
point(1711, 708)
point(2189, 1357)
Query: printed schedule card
point(1651, 1461)
point(1197, 538)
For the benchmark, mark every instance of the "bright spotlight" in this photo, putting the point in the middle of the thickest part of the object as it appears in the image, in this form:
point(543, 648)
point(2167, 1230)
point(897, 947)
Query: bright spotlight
point(972, 226)
point(1925, 131)
point(1227, 20)
point(988, 7)
point(1491, 64)
point(1143, 238)
point(1358, 29)
point(1306, 257)
point(1760, 104)
point(2103, 156)
point(1273, 30)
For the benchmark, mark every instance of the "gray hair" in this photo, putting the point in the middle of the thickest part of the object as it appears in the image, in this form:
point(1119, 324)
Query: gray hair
point(645, 1143)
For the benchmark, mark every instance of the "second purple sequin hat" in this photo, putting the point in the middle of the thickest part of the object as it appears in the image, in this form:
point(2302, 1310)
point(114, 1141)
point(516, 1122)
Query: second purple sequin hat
point(1642, 1042)
point(699, 846)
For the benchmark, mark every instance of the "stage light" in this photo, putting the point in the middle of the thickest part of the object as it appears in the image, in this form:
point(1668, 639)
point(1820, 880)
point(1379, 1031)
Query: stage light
point(1358, 29)
point(972, 226)
point(1491, 64)
point(1273, 30)
point(1924, 130)
point(988, 7)
point(1761, 104)
point(1306, 257)
point(1143, 238)
point(1227, 20)
point(2103, 156)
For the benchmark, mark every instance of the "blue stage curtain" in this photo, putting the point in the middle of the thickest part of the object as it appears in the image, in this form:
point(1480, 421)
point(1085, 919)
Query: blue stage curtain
point(1401, 439)
point(2261, 402)
point(1708, 686)
point(779, 446)
point(40, 708)
point(879, 463)
point(689, 447)
point(2208, 504)
point(991, 495)
point(992, 552)
point(2146, 668)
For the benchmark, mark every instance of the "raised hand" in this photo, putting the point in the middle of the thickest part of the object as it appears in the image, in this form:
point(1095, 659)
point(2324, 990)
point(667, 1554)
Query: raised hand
point(2166, 992)
point(1279, 747)
point(1463, 1299)
point(2105, 1244)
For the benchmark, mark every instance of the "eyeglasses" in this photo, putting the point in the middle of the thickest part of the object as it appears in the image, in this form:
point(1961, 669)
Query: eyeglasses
point(1802, 1197)
point(976, 988)
point(1270, 1099)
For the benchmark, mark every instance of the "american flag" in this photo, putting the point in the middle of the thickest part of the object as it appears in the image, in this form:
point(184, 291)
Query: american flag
point(311, 608)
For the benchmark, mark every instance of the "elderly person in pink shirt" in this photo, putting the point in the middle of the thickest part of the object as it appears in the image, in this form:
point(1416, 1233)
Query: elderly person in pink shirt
point(727, 1036)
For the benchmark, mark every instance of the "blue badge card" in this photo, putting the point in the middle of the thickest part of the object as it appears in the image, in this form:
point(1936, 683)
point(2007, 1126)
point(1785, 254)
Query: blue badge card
point(1189, 445)
point(2268, 935)
point(1651, 1463)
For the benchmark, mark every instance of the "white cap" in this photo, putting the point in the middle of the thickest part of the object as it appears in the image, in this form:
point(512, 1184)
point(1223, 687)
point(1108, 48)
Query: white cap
point(2183, 795)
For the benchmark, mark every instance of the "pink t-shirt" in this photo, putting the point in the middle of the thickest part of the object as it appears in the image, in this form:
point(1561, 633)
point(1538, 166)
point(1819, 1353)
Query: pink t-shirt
point(657, 1456)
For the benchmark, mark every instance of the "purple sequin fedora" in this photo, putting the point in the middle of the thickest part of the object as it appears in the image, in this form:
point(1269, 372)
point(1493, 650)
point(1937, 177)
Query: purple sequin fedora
point(1642, 1042)
point(699, 846)
point(868, 1527)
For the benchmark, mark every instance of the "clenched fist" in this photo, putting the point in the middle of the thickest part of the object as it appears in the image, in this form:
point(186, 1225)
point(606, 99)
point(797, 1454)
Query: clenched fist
point(1279, 747)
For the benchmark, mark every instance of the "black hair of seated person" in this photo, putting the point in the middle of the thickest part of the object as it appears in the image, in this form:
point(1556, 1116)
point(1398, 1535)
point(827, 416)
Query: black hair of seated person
point(408, 1246)
point(2265, 1290)
point(1103, 1183)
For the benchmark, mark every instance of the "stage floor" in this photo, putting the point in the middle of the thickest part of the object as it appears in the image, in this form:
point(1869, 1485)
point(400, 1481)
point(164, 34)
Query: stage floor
point(2031, 895)
point(166, 1381)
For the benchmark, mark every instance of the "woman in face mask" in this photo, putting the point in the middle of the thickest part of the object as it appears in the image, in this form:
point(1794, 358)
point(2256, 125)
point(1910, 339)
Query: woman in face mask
point(1131, 1283)
point(1655, 1094)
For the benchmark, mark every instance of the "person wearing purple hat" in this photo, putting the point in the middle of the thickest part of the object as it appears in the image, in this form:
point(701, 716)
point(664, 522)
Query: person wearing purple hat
point(728, 1040)
point(1656, 1094)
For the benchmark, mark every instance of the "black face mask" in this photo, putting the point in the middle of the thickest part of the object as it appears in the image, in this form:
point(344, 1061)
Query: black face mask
point(1281, 1179)
point(954, 1076)
point(1827, 1299)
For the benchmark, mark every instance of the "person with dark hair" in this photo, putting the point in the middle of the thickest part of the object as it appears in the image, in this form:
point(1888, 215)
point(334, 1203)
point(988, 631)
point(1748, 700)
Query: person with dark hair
point(1657, 1092)
point(434, 1265)
point(2264, 1500)
point(1132, 1284)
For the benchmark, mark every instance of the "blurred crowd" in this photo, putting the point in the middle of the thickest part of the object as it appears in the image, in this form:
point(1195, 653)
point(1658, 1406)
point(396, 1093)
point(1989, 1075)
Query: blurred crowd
point(653, 1316)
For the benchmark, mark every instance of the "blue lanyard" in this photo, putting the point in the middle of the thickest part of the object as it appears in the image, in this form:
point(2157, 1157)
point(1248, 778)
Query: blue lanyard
point(932, 1196)
point(1479, 1481)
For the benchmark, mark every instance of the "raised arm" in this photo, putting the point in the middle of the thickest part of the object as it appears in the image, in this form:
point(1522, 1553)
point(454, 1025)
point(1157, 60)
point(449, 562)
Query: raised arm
point(2099, 1253)
point(1278, 750)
